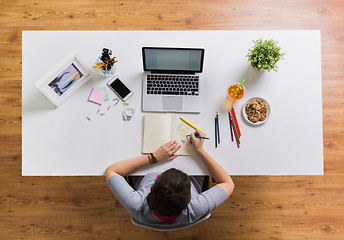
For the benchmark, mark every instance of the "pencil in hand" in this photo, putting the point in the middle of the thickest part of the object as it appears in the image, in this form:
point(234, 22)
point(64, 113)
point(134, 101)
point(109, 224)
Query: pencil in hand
point(198, 137)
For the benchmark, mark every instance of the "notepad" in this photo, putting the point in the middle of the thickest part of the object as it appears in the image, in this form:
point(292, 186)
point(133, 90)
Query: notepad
point(97, 96)
point(107, 96)
point(160, 128)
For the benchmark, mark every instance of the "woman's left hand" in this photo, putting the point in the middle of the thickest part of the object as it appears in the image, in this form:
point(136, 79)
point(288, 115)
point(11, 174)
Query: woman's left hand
point(167, 151)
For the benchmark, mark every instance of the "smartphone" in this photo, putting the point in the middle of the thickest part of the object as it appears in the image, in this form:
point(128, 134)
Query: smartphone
point(120, 89)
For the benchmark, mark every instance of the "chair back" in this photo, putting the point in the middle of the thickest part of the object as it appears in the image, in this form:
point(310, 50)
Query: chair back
point(167, 227)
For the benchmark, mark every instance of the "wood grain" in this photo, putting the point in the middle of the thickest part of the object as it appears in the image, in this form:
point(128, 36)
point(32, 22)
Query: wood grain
point(261, 207)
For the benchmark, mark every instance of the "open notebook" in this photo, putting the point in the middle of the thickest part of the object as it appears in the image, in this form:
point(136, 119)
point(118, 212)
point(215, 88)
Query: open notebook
point(160, 128)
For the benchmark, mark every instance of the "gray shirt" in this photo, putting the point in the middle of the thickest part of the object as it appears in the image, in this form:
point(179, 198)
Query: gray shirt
point(135, 202)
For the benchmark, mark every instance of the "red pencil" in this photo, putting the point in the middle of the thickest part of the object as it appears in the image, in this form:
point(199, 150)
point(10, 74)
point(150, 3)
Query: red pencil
point(236, 121)
point(236, 134)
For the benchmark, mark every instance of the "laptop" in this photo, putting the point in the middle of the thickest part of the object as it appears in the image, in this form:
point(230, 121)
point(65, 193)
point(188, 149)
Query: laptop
point(172, 79)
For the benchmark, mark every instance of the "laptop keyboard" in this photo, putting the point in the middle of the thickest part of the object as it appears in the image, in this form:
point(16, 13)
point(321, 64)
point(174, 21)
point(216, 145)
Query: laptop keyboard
point(172, 85)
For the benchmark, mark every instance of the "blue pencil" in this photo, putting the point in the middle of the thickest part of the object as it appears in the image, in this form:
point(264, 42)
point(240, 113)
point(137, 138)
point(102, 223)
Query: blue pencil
point(199, 137)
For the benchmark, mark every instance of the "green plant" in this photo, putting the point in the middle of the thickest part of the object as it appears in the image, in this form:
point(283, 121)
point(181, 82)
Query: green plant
point(265, 54)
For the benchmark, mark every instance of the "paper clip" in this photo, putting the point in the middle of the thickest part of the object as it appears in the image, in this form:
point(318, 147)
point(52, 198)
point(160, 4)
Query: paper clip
point(89, 119)
point(116, 101)
point(109, 107)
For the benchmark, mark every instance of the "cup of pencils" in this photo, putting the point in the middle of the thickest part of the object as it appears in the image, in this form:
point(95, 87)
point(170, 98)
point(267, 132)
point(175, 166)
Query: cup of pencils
point(236, 91)
point(106, 63)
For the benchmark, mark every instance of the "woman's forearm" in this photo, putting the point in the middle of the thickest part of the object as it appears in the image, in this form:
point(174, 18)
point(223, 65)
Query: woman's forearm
point(127, 166)
point(215, 169)
point(217, 172)
point(165, 152)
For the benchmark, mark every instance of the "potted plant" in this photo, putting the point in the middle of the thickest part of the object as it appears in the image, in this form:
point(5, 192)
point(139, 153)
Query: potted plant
point(265, 54)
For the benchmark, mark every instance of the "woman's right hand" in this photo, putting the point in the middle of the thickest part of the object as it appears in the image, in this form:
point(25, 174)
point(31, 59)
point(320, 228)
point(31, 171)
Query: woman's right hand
point(197, 142)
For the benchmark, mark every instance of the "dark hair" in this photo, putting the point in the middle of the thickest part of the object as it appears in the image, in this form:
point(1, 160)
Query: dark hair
point(170, 193)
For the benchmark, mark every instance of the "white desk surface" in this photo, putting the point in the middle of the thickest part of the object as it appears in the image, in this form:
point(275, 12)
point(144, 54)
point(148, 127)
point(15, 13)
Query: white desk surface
point(62, 141)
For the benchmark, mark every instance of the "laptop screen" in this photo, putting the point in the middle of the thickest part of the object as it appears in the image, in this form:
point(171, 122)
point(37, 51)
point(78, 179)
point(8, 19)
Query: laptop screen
point(173, 59)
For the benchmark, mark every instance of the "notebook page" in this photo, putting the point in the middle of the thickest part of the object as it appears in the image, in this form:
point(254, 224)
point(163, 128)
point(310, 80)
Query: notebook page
point(179, 130)
point(156, 131)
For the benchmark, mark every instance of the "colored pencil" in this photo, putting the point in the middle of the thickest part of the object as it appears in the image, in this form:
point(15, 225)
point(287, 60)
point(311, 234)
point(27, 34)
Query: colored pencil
point(236, 133)
point(236, 121)
point(230, 124)
point(218, 127)
point(198, 137)
point(191, 125)
point(215, 133)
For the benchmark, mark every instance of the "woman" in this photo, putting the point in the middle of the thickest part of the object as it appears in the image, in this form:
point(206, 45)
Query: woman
point(172, 197)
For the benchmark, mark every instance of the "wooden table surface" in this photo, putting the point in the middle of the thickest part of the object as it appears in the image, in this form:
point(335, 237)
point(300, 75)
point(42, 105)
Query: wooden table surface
point(264, 207)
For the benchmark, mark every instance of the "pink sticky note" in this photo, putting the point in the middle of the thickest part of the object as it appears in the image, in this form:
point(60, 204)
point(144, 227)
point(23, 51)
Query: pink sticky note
point(97, 96)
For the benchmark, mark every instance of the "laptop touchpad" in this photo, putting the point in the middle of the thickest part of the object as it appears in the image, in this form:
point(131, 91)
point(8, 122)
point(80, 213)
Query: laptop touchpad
point(172, 103)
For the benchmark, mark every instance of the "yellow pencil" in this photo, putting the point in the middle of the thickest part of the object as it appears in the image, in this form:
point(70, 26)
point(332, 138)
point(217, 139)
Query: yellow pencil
point(191, 125)
point(98, 65)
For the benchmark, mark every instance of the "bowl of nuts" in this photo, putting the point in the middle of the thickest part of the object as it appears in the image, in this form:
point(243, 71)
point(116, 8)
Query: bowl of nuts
point(256, 111)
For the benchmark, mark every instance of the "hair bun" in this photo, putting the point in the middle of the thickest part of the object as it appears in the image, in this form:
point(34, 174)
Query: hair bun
point(170, 194)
